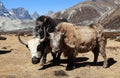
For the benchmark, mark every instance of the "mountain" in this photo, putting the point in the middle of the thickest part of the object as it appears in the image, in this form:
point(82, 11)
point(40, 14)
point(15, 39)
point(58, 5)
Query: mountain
point(20, 13)
point(49, 13)
point(3, 11)
point(90, 11)
point(35, 15)
point(15, 19)
point(16, 13)
point(105, 2)
point(84, 13)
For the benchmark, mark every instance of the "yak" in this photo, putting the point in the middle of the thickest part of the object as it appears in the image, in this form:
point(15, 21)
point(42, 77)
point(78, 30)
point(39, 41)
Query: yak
point(72, 39)
point(40, 43)
point(38, 51)
point(49, 24)
point(33, 46)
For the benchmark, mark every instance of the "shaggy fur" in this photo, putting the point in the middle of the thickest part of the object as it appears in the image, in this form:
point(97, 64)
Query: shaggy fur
point(80, 39)
point(49, 24)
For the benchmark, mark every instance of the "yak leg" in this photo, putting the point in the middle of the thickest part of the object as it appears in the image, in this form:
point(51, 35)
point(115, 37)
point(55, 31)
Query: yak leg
point(96, 53)
point(54, 57)
point(102, 45)
point(44, 59)
point(58, 56)
point(70, 64)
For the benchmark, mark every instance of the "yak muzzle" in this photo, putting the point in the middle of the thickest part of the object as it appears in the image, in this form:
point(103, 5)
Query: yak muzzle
point(55, 50)
point(35, 60)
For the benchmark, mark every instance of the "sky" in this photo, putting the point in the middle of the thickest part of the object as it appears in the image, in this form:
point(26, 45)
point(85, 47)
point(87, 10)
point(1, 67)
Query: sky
point(40, 6)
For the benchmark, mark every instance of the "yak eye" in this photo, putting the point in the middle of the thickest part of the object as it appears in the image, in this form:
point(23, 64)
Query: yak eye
point(39, 48)
point(50, 37)
point(37, 27)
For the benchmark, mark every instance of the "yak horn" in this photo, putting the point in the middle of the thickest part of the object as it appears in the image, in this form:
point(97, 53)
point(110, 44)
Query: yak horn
point(41, 40)
point(21, 40)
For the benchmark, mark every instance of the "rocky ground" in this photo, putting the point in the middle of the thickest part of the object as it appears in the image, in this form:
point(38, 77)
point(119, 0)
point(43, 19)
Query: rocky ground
point(15, 62)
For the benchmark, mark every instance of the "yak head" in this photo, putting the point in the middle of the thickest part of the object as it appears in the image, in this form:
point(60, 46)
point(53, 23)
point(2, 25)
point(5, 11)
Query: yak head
point(44, 22)
point(55, 41)
point(34, 47)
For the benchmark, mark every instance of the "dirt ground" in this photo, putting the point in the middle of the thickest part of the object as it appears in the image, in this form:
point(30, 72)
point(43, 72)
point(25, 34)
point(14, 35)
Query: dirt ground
point(15, 62)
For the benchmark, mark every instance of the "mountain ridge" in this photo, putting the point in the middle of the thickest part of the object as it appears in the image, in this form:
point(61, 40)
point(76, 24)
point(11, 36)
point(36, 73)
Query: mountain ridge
point(90, 11)
point(15, 13)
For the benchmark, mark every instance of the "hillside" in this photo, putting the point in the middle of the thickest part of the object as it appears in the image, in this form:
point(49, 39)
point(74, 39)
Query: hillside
point(113, 21)
point(92, 11)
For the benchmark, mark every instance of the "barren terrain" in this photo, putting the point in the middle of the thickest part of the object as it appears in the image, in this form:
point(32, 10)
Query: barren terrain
point(15, 62)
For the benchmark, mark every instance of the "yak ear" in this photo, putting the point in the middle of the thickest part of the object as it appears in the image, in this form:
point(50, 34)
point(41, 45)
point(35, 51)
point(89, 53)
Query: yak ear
point(70, 42)
point(45, 19)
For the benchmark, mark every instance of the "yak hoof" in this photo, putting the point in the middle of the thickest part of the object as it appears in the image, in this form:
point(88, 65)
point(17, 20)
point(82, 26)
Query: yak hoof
point(56, 61)
point(105, 66)
point(43, 62)
point(70, 67)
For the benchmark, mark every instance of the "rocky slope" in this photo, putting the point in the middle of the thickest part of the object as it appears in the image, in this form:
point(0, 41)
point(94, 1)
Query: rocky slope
point(90, 11)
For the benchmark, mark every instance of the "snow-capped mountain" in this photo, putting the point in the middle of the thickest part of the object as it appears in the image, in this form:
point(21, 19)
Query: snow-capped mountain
point(3, 11)
point(50, 13)
point(20, 13)
point(15, 13)
point(35, 15)
point(14, 19)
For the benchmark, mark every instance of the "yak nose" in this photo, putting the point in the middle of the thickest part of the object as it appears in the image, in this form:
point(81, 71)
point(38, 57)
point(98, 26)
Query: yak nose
point(35, 60)
point(55, 50)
